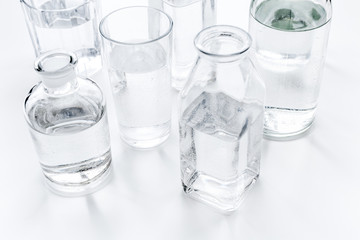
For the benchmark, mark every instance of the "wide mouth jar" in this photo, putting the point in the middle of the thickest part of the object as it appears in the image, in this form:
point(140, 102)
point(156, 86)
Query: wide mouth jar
point(223, 43)
point(135, 25)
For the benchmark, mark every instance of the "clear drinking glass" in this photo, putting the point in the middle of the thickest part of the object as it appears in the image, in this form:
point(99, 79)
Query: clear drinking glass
point(68, 123)
point(290, 41)
point(221, 120)
point(190, 17)
point(66, 24)
point(137, 55)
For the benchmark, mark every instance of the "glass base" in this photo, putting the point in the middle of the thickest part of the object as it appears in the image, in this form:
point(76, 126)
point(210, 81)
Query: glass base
point(89, 62)
point(145, 137)
point(180, 75)
point(224, 196)
point(178, 84)
point(146, 144)
point(287, 124)
point(92, 185)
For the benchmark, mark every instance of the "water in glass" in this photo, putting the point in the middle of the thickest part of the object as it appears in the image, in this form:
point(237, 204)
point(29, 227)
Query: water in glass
point(290, 39)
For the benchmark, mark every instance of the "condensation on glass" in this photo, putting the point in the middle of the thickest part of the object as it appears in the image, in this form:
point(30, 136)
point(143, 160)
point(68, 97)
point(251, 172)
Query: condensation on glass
point(68, 123)
point(190, 17)
point(221, 120)
point(290, 42)
point(68, 25)
point(137, 44)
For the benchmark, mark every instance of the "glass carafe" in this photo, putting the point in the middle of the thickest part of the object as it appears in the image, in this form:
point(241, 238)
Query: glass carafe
point(221, 119)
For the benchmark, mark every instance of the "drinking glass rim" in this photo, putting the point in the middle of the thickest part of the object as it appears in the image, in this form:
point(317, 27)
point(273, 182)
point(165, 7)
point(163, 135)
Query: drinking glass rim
point(166, 33)
point(293, 31)
point(329, 11)
point(229, 55)
point(54, 10)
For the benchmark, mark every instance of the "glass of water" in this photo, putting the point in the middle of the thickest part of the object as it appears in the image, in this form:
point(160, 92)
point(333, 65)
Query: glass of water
point(290, 41)
point(137, 44)
point(190, 17)
point(66, 24)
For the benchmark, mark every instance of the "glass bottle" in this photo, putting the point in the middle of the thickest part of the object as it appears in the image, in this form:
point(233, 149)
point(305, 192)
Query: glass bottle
point(290, 42)
point(221, 119)
point(68, 124)
point(190, 17)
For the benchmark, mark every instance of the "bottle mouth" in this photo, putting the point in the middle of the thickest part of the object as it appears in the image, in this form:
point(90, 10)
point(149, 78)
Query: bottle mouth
point(223, 41)
point(55, 63)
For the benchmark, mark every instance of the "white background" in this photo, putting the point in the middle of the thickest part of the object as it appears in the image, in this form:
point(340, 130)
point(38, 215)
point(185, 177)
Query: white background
point(308, 189)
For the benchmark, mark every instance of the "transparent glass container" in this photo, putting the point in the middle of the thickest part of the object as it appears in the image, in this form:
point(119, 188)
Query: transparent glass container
point(68, 124)
point(137, 43)
point(290, 42)
point(71, 25)
point(190, 17)
point(221, 120)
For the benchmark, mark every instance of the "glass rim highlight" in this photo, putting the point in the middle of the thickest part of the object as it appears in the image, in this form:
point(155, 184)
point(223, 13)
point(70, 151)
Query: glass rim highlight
point(163, 35)
point(29, 5)
point(328, 9)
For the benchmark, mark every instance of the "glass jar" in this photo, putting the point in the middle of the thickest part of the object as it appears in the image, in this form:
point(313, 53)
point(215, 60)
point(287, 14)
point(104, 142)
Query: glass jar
point(221, 119)
point(290, 42)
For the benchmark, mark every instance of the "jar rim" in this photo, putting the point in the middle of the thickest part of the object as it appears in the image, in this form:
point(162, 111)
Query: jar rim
point(237, 35)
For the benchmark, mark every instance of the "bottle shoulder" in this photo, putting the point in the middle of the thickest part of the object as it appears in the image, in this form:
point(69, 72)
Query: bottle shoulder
point(237, 80)
point(84, 104)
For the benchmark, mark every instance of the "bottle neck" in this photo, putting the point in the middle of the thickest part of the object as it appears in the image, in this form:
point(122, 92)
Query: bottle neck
point(57, 71)
point(60, 85)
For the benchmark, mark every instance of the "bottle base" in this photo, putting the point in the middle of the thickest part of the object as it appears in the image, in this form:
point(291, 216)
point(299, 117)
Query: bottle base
point(224, 196)
point(55, 180)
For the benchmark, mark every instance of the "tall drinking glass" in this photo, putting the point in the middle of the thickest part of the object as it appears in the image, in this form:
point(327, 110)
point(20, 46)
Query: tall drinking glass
point(290, 41)
point(137, 55)
point(68, 25)
point(190, 17)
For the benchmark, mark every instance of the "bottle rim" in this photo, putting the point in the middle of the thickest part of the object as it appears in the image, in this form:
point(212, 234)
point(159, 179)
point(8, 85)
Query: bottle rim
point(68, 62)
point(236, 35)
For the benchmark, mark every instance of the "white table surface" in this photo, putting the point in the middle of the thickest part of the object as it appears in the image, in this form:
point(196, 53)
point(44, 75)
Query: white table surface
point(309, 188)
